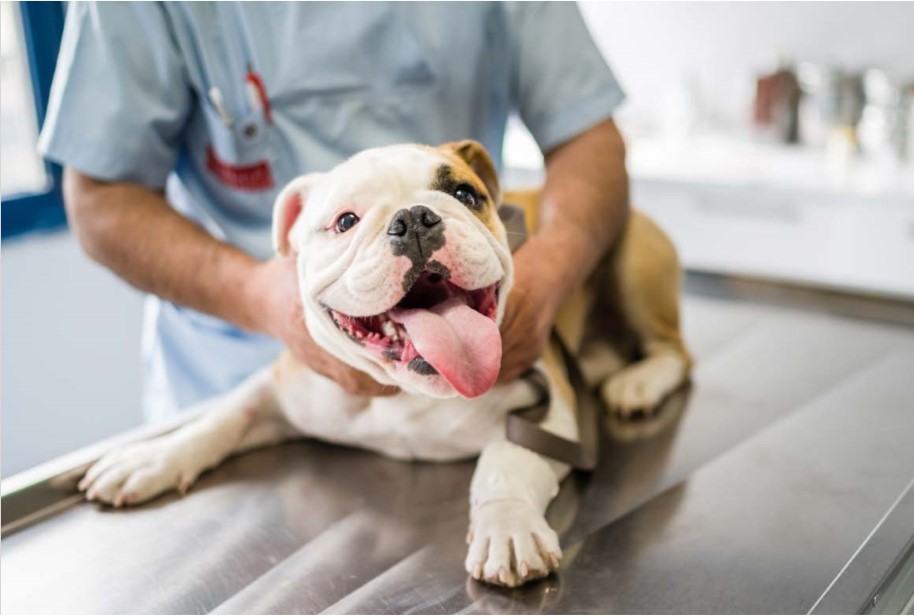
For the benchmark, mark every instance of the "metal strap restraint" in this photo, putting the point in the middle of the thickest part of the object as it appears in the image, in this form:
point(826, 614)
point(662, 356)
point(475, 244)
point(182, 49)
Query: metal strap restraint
point(523, 424)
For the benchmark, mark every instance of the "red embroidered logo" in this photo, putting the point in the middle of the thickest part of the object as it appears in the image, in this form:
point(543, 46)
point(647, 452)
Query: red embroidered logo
point(251, 177)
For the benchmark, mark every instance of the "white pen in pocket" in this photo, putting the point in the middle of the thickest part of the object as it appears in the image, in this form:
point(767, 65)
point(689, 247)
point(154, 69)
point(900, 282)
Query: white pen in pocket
point(257, 95)
point(253, 96)
point(215, 97)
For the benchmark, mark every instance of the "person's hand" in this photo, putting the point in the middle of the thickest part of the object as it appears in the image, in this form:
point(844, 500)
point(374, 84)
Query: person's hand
point(274, 292)
point(530, 312)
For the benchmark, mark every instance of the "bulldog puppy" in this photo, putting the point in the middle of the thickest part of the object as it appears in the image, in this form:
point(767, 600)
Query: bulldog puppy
point(404, 270)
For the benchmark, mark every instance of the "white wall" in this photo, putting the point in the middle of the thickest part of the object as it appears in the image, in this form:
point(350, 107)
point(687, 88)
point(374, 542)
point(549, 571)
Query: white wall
point(70, 351)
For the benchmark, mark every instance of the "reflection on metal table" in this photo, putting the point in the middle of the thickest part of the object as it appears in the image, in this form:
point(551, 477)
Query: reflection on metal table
point(781, 481)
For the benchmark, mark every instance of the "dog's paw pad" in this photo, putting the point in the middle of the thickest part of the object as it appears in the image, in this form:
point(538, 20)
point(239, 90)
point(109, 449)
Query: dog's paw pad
point(511, 544)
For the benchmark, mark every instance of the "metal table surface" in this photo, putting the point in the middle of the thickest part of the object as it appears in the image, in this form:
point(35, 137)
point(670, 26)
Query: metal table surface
point(779, 482)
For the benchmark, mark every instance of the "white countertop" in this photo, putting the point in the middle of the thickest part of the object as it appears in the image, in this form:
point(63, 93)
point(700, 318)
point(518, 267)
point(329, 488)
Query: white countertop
point(790, 214)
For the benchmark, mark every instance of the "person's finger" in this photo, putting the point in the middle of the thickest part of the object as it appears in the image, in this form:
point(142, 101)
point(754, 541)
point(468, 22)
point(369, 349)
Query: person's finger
point(510, 340)
point(367, 386)
point(506, 376)
point(511, 368)
point(514, 347)
point(519, 358)
point(357, 383)
point(379, 390)
point(369, 390)
point(353, 382)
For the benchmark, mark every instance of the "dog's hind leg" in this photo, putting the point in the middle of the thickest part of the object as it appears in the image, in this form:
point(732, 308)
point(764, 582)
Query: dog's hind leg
point(247, 417)
point(648, 278)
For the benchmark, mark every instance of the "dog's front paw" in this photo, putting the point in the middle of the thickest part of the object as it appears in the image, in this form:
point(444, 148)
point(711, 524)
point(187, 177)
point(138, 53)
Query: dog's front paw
point(511, 544)
point(643, 385)
point(141, 471)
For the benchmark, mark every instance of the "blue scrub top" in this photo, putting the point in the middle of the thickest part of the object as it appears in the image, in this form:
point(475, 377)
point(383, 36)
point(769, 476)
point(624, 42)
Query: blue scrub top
point(221, 104)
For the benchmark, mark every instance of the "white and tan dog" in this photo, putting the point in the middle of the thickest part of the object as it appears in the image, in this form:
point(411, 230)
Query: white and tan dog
point(404, 271)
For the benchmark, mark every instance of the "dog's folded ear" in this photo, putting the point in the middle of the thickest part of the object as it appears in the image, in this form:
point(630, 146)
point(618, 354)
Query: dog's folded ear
point(289, 205)
point(476, 157)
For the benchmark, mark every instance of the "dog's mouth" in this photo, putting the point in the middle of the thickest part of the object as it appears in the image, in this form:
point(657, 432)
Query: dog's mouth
point(437, 328)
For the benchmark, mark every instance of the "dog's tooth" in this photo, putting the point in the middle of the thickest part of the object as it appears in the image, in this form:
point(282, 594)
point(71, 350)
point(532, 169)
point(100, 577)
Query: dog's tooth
point(389, 329)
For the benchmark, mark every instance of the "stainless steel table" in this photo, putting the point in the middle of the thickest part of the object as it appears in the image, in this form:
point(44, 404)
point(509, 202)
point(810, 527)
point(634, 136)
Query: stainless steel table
point(781, 481)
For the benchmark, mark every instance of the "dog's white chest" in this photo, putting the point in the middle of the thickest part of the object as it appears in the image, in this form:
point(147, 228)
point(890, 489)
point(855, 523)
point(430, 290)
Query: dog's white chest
point(404, 426)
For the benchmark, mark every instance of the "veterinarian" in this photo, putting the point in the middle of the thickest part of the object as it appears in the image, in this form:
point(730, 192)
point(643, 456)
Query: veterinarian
point(177, 125)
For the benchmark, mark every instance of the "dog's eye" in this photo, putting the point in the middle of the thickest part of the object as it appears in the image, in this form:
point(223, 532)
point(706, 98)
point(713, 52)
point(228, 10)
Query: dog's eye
point(346, 222)
point(466, 195)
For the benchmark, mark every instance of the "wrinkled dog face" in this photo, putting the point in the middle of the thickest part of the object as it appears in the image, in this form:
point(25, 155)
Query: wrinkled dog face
point(403, 264)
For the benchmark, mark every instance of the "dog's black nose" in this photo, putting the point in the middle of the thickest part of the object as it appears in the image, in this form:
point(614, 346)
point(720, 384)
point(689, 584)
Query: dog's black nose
point(418, 217)
point(427, 217)
point(415, 233)
point(399, 225)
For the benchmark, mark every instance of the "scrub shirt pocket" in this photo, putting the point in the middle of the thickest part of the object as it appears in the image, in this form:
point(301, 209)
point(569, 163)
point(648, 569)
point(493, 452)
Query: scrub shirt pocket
point(240, 155)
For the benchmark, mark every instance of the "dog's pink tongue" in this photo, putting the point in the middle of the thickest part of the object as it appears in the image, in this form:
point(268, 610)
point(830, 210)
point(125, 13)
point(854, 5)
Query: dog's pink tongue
point(463, 345)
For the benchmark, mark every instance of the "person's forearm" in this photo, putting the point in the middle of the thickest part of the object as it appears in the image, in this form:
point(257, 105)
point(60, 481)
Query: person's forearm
point(133, 231)
point(584, 204)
